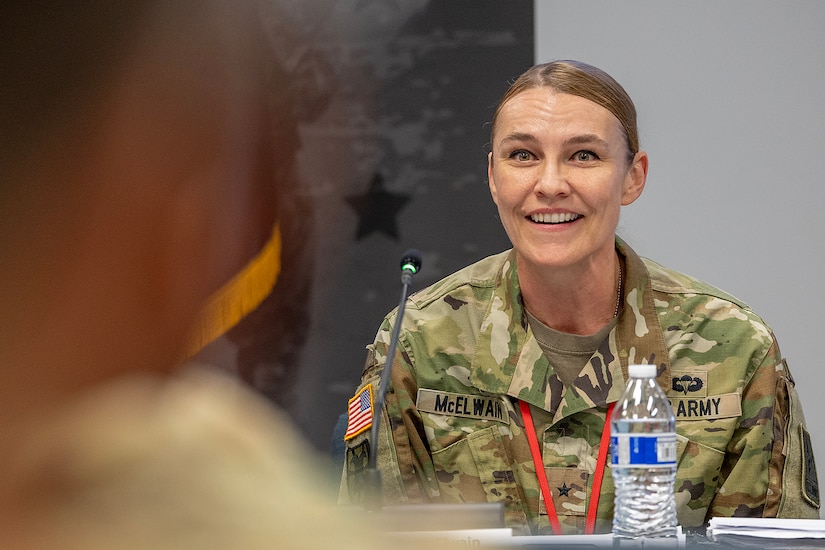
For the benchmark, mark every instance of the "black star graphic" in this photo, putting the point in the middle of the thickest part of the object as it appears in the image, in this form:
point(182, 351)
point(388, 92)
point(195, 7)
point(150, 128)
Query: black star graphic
point(377, 209)
point(564, 490)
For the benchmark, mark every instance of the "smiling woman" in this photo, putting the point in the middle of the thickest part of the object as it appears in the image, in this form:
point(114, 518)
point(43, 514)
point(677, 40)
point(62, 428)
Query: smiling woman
point(549, 328)
point(559, 180)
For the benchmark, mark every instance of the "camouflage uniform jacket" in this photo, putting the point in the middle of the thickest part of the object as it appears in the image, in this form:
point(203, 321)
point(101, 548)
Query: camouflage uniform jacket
point(452, 430)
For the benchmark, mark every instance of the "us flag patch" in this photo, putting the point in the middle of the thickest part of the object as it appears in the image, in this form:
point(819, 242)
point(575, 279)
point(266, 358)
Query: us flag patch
point(359, 413)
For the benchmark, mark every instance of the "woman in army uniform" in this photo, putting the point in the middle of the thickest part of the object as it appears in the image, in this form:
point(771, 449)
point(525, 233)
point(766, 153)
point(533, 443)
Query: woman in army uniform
point(508, 368)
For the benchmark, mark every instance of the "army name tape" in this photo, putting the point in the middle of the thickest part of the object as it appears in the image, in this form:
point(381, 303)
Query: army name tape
point(459, 404)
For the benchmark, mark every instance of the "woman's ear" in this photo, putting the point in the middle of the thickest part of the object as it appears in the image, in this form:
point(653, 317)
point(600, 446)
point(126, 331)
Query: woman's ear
point(490, 180)
point(635, 179)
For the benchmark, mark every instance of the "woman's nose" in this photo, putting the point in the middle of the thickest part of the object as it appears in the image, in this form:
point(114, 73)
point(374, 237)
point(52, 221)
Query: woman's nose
point(552, 180)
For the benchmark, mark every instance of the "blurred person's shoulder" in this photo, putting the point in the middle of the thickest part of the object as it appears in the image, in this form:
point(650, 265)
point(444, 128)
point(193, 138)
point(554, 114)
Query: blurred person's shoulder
point(198, 460)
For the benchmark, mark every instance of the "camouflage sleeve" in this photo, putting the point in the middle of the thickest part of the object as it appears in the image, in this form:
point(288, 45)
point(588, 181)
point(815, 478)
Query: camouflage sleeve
point(792, 463)
point(763, 474)
point(407, 471)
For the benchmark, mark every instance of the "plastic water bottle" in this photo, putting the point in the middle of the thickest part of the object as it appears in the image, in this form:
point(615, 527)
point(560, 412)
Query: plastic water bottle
point(643, 449)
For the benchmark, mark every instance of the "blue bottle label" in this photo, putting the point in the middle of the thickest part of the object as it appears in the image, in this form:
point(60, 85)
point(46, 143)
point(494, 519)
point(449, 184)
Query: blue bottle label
point(643, 450)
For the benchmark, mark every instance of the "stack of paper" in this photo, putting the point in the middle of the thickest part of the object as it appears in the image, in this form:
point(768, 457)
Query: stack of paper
point(768, 532)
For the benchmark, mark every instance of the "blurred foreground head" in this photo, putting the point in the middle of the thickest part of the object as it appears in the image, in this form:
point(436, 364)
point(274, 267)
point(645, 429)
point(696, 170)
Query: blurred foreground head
point(139, 171)
point(145, 147)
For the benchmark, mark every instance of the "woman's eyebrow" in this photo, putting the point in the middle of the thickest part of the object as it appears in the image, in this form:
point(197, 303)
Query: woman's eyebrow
point(587, 139)
point(518, 136)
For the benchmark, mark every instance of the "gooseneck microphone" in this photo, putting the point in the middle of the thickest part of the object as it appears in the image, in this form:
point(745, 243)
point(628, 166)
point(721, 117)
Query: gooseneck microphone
point(410, 265)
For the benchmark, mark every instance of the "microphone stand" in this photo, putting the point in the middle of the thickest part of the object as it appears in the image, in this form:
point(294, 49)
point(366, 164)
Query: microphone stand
point(410, 264)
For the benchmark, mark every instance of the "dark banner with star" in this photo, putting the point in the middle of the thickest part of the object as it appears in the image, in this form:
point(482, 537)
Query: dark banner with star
point(393, 112)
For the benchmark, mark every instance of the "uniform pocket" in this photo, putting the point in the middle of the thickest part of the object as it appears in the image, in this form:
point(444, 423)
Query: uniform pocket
point(697, 479)
point(478, 468)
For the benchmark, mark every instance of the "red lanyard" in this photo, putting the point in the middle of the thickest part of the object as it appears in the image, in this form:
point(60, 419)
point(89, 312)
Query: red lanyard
point(552, 516)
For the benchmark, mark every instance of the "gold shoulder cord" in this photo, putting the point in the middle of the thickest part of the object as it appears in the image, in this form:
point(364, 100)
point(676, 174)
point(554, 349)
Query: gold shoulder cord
point(239, 296)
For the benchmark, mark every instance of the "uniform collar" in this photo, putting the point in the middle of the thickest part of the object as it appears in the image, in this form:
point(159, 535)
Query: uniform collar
point(509, 360)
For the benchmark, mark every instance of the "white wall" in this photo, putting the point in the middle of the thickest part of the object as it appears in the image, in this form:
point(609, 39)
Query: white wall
point(729, 96)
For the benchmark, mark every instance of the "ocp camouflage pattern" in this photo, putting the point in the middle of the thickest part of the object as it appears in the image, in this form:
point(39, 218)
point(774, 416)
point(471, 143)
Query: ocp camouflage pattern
point(740, 428)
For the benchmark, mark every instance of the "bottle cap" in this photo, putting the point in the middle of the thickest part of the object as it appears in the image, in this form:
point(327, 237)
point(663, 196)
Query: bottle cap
point(642, 371)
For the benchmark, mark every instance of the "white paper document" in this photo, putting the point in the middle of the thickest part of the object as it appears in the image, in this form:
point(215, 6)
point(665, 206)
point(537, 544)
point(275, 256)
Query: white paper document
point(792, 533)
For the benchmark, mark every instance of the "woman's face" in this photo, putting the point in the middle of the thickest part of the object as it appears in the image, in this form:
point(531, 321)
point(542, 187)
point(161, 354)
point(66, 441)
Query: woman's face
point(559, 173)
